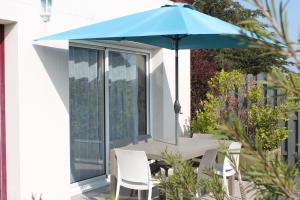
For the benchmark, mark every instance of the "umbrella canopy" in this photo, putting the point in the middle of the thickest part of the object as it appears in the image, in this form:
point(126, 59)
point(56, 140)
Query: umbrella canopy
point(178, 26)
point(160, 26)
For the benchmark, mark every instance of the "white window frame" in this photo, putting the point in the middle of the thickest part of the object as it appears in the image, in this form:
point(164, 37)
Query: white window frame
point(103, 180)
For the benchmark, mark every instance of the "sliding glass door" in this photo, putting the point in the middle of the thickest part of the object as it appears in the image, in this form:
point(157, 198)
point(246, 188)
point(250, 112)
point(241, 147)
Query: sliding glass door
point(108, 106)
point(86, 70)
point(127, 98)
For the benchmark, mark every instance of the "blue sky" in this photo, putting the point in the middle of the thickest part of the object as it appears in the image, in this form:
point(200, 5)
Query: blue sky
point(293, 17)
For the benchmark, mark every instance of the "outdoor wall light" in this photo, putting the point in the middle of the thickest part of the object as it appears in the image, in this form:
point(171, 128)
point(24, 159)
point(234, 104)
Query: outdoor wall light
point(46, 10)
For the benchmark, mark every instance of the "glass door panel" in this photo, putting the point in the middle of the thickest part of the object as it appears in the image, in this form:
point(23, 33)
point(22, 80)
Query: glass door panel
point(127, 98)
point(87, 133)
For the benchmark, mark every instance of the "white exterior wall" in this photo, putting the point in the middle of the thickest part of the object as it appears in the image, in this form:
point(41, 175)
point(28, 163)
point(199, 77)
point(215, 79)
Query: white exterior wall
point(163, 93)
point(37, 91)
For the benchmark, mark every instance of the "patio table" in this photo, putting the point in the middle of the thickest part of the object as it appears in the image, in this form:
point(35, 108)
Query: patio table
point(188, 147)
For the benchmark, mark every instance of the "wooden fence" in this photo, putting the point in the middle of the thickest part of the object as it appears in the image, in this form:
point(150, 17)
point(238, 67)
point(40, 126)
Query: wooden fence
point(290, 148)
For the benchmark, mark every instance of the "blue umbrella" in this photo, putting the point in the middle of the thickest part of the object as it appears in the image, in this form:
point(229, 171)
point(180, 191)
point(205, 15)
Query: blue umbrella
point(178, 26)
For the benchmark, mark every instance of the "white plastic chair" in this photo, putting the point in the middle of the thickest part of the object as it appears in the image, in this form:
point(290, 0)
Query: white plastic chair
point(227, 170)
point(133, 171)
point(208, 161)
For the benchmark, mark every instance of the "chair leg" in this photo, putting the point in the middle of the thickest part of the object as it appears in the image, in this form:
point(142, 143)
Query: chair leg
point(226, 184)
point(149, 193)
point(118, 191)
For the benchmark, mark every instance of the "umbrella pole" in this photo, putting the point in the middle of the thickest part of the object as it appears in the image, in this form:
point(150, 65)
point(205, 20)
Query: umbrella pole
point(177, 106)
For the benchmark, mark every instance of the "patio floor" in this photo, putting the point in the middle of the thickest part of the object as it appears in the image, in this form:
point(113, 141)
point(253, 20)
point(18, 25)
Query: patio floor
point(103, 194)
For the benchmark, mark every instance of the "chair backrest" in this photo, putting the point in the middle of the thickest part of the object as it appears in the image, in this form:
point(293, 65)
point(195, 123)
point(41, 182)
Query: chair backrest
point(133, 166)
point(234, 150)
point(208, 161)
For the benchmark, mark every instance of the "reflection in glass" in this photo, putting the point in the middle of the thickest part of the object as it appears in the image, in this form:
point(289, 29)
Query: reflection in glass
point(86, 68)
point(127, 98)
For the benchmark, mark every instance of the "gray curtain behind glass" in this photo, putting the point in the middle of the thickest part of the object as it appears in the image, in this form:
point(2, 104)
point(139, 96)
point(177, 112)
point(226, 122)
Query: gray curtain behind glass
point(86, 68)
point(127, 98)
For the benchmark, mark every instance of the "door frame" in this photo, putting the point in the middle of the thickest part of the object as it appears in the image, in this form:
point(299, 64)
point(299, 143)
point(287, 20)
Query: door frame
point(98, 181)
point(3, 186)
point(103, 180)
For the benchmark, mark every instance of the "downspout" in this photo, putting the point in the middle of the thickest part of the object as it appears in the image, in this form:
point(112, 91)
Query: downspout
point(3, 189)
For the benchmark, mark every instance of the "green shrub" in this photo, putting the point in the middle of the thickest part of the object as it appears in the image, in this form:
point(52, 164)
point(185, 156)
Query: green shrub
point(206, 119)
point(229, 94)
point(183, 183)
point(264, 121)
